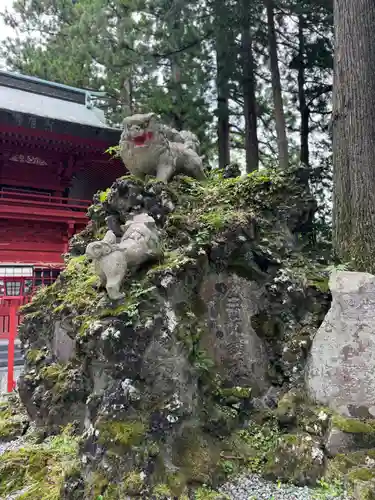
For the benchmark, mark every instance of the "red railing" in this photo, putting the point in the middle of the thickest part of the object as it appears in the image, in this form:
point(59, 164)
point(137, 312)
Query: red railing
point(9, 322)
point(42, 201)
point(5, 311)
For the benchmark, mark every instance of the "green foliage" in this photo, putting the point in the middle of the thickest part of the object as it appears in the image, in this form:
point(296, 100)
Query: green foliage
point(325, 489)
point(40, 469)
point(103, 195)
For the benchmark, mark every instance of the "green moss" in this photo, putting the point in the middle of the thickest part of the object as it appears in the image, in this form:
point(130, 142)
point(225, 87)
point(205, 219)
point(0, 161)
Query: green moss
point(251, 447)
point(161, 491)
point(54, 372)
point(341, 464)
point(11, 425)
point(121, 433)
point(353, 425)
point(361, 474)
point(205, 493)
point(34, 355)
point(95, 485)
point(234, 394)
point(133, 483)
point(56, 377)
point(295, 460)
point(103, 195)
point(130, 308)
point(39, 468)
point(197, 456)
point(113, 492)
point(328, 489)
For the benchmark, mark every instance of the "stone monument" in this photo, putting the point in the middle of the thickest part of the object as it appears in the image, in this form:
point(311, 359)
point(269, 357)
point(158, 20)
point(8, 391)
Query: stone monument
point(341, 366)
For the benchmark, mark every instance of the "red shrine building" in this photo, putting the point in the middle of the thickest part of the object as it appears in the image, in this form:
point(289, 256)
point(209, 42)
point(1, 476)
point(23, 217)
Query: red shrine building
point(52, 161)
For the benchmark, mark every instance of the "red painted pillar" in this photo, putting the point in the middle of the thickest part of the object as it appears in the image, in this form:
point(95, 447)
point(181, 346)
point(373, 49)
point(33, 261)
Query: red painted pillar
point(12, 337)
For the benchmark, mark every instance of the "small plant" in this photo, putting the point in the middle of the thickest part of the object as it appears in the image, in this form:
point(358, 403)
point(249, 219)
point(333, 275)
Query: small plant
point(346, 266)
point(326, 490)
point(228, 467)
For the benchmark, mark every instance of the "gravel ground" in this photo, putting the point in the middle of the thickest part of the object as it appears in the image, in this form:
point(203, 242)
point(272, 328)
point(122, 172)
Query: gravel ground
point(253, 487)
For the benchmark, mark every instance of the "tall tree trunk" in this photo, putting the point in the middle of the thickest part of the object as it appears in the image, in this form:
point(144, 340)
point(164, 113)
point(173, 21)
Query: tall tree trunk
point(222, 84)
point(354, 133)
point(173, 18)
point(303, 107)
point(248, 88)
point(282, 141)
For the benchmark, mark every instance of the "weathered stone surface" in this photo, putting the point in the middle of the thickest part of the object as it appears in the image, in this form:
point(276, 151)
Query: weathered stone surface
point(140, 243)
point(338, 441)
point(341, 364)
point(239, 354)
point(199, 349)
point(298, 459)
point(148, 147)
point(63, 346)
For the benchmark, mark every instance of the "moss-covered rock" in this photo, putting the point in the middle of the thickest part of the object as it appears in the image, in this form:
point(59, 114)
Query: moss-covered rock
point(13, 419)
point(134, 483)
point(356, 470)
point(295, 411)
point(40, 469)
point(349, 434)
point(165, 382)
point(121, 433)
point(298, 458)
point(197, 456)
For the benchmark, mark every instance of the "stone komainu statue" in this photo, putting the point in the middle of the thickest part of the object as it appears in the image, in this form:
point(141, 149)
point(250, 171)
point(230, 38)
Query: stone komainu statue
point(140, 243)
point(147, 147)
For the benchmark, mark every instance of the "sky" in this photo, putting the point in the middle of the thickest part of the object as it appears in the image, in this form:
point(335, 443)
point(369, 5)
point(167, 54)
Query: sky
point(5, 31)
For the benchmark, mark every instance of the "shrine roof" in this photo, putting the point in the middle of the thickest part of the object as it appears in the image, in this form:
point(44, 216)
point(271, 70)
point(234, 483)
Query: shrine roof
point(37, 101)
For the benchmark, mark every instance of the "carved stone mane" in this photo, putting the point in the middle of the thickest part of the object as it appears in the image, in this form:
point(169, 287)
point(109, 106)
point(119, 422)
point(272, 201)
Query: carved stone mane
point(148, 147)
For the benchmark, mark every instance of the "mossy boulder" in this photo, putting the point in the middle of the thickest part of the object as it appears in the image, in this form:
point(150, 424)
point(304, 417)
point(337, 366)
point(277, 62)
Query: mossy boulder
point(165, 381)
point(356, 470)
point(295, 411)
point(14, 421)
point(197, 456)
point(349, 434)
point(298, 458)
point(364, 490)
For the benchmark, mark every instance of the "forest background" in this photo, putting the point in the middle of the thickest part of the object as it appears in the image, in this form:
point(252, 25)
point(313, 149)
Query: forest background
point(252, 78)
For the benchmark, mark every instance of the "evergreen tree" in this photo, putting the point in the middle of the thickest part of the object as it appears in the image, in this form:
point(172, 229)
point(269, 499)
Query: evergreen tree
point(354, 133)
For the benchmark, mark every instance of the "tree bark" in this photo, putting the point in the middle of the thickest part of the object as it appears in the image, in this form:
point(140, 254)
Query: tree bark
point(248, 88)
point(303, 107)
point(222, 85)
point(282, 141)
point(354, 133)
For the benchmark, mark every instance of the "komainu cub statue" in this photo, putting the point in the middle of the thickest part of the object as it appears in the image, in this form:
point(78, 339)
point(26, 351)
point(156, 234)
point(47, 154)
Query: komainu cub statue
point(147, 147)
point(140, 243)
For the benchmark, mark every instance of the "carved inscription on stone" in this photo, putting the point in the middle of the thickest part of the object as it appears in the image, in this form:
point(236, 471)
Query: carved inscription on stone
point(340, 370)
point(230, 340)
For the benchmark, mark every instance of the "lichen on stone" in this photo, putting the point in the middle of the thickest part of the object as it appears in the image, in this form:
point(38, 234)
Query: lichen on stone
point(159, 407)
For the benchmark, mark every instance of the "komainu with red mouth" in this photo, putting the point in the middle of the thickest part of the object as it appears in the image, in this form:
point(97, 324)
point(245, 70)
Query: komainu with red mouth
point(147, 147)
